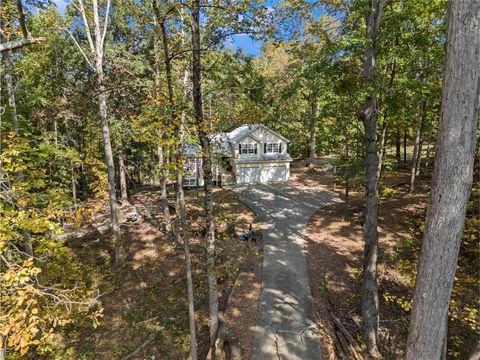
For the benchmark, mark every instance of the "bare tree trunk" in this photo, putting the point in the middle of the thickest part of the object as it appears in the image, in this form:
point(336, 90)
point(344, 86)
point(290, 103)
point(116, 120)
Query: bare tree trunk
point(381, 149)
point(181, 208)
point(182, 214)
point(313, 128)
point(74, 182)
point(162, 172)
point(416, 148)
point(419, 155)
point(347, 172)
point(7, 74)
point(369, 115)
point(445, 342)
point(206, 169)
point(102, 103)
point(123, 177)
point(451, 182)
point(427, 156)
point(405, 146)
point(164, 194)
point(383, 138)
point(188, 266)
point(397, 146)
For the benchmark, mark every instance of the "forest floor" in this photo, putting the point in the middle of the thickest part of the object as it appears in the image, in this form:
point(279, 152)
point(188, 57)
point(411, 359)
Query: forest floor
point(334, 259)
point(145, 313)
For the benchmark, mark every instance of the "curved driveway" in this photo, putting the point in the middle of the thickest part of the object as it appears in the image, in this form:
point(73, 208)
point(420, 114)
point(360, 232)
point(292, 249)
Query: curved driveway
point(285, 326)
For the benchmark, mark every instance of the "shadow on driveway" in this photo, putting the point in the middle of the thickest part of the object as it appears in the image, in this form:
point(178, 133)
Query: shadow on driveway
point(285, 326)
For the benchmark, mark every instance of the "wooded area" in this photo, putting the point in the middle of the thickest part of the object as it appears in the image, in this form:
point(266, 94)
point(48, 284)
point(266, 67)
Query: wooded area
point(104, 254)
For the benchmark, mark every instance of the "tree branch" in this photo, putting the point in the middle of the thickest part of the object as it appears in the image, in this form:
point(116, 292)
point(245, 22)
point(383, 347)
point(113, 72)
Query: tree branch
point(105, 23)
point(21, 18)
point(80, 48)
point(85, 22)
point(15, 44)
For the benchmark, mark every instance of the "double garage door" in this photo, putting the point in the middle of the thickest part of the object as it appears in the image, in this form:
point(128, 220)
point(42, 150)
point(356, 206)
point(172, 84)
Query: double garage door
point(257, 174)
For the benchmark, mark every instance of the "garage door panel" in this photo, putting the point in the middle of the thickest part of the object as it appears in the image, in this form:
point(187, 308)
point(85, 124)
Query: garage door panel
point(249, 175)
point(274, 173)
point(256, 174)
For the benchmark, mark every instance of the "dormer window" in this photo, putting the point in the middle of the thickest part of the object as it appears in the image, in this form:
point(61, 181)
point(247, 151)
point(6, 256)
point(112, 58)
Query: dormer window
point(247, 148)
point(272, 148)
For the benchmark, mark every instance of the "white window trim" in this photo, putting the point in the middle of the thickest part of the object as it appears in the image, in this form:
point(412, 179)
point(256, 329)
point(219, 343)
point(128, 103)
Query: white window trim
point(274, 148)
point(248, 149)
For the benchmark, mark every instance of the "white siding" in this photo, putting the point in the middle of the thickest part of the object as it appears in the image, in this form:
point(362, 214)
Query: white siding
point(252, 141)
point(266, 136)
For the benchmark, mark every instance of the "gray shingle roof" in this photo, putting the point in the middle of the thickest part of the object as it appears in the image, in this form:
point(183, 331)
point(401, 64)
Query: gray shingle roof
point(241, 132)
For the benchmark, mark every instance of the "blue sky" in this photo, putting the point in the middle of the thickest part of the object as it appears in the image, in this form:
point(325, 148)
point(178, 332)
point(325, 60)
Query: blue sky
point(246, 43)
point(61, 4)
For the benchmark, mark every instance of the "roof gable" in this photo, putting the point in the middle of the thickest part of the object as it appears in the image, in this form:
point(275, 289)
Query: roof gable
point(247, 130)
point(251, 136)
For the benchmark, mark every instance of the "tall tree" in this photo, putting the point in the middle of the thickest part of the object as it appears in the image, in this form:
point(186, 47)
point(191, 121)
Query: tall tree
point(313, 128)
point(160, 23)
point(96, 41)
point(451, 182)
point(369, 116)
point(202, 128)
point(178, 124)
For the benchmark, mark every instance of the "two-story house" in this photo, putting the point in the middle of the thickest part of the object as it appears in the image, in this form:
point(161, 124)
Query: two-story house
point(248, 154)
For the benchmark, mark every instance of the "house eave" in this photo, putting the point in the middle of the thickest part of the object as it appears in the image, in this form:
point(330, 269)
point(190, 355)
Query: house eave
point(249, 161)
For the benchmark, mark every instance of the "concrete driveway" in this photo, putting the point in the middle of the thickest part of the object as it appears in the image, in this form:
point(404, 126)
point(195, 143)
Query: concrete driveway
point(285, 326)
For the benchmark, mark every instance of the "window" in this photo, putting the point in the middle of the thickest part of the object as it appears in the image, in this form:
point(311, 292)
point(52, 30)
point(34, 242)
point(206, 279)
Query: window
point(272, 148)
point(190, 182)
point(247, 148)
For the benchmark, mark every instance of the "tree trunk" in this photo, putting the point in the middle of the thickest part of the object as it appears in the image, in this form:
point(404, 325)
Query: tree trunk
point(162, 172)
point(427, 156)
point(405, 146)
point(419, 155)
point(416, 149)
point(164, 195)
point(7, 74)
point(347, 172)
point(397, 146)
point(180, 201)
point(451, 182)
point(181, 207)
point(313, 128)
point(123, 178)
point(445, 342)
point(383, 138)
point(206, 169)
point(74, 182)
point(183, 227)
point(102, 103)
point(369, 115)
point(381, 149)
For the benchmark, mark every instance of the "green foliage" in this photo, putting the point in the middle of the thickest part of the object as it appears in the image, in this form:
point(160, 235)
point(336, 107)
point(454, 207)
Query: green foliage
point(32, 205)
